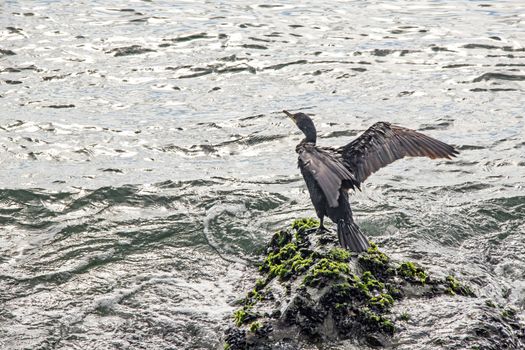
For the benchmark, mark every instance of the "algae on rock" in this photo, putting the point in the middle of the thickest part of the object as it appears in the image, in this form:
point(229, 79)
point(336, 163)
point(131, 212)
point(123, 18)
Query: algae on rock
point(312, 288)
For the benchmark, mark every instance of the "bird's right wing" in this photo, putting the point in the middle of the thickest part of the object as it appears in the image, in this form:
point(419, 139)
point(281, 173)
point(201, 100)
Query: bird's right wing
point(384, 143)
point(328, 171)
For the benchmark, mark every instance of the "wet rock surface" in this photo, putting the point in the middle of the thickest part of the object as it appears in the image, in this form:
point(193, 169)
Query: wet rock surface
point(310, 292)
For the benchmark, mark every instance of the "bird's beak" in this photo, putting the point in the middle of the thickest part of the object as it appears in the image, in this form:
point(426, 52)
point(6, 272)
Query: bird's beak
point(290, 115)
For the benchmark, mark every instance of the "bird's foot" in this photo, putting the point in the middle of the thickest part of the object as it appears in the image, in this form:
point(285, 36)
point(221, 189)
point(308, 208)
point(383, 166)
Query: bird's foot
point(322, 228)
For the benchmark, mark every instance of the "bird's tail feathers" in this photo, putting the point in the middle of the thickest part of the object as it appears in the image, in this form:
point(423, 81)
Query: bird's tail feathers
point(351, 237)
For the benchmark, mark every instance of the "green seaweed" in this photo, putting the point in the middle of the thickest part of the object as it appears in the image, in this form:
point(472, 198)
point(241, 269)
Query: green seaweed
point(302, 227)
point(375, 261)
point(303, 224)
point(244, 315)
point(255, 326)
point(300, 264)
point(253, 297)
point(275, 262)
point(376, 322)
point(508, 313)
point(412, 272)
point(455, 287)
point(286, 258)
point(287, 261)
point(405, 316)
point(490, 303)
point(349, 291)
point(325, 269)
point(394, 291)
point(362, 297)
point(339, 254)
point(260, 284)
point(239, 316)
point(371, 282)
point(280, 239)
point(382, 301)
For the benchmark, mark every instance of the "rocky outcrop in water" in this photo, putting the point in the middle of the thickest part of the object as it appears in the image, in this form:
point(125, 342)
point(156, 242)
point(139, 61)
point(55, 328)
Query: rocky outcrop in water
point(310, 291)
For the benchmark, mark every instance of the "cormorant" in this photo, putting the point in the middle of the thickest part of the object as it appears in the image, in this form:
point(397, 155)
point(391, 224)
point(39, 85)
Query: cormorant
point(330, 172)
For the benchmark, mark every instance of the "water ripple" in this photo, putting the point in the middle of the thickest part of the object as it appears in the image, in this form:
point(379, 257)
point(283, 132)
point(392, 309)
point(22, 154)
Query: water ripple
point(146, 161)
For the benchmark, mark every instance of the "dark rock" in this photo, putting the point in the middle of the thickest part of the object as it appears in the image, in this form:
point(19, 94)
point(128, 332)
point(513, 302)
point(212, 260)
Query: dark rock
point(311, 291)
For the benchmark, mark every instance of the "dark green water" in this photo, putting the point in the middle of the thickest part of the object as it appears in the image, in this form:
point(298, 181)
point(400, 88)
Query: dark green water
point(145, 161)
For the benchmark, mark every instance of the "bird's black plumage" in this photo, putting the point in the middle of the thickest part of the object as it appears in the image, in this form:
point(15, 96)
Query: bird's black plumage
point(330, 172)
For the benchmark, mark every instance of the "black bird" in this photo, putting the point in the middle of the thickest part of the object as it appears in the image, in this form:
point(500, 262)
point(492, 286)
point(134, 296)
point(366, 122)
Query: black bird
point(330, 172)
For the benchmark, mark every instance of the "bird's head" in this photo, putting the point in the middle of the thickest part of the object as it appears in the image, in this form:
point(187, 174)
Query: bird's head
point(305, 124)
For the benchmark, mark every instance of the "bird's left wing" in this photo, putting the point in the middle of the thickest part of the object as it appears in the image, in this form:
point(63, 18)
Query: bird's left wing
point(384, 143)
point(327, 170)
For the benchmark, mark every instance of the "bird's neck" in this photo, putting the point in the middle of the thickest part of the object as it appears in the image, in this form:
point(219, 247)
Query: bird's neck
point(308, 140)
point(303, 144)
point(308, 128)
point(311, 136)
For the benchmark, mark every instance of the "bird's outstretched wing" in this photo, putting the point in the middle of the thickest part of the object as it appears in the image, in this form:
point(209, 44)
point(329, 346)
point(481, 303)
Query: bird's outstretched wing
point(384, 143)
point(327, 171)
